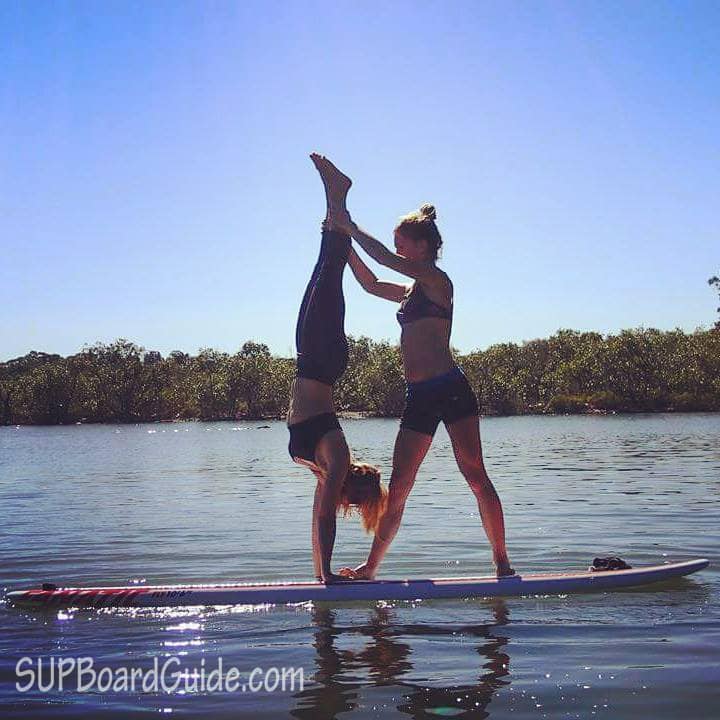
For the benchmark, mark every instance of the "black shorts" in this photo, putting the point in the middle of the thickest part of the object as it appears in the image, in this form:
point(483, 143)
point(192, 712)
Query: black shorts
point(447, 397)
point(305, 435)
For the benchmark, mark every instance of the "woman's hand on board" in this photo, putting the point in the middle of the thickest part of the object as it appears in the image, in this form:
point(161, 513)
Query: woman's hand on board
point(361, 572)
point(331, 578)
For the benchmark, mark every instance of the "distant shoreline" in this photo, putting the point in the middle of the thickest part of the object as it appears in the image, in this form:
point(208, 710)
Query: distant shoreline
point(360, 416)
point(570, 373)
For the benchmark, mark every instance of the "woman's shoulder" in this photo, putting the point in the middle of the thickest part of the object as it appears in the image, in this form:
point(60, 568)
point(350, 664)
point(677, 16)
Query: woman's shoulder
point(441, 280)
point(438, 289)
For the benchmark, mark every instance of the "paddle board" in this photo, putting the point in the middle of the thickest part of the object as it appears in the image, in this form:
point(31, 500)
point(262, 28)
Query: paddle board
point(294, 592)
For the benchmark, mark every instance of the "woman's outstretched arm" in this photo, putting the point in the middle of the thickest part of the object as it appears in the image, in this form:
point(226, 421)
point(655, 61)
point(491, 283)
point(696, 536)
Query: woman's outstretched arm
point(426, 272)
point(369, 282)
point(333, 458)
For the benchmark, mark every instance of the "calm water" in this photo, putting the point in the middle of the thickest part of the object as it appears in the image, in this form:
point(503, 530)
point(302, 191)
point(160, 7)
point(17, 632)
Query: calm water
point(220, 502)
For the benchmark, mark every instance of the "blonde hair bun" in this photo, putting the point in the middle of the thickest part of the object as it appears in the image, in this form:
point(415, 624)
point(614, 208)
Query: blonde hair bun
point(428, 211)
point(420, 225)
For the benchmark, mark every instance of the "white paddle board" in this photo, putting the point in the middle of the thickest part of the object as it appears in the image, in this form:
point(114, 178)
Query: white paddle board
point(357, 590)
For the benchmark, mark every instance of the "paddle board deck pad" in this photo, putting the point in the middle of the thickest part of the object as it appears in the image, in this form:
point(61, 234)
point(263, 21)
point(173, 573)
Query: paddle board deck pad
point(356, 590)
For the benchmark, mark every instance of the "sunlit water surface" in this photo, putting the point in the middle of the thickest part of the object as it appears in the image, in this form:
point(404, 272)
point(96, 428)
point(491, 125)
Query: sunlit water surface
point(193, 502)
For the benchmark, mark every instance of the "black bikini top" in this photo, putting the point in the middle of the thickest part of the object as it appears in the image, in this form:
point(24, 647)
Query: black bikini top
point(418, 305)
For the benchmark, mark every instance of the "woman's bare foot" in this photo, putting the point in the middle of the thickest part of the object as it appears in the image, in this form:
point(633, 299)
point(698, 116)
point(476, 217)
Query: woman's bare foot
point(503, 568)
point(337, 185)
point(361, 572)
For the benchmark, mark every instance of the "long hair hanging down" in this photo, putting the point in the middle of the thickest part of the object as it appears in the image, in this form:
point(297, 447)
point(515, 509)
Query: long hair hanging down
point(364, 495)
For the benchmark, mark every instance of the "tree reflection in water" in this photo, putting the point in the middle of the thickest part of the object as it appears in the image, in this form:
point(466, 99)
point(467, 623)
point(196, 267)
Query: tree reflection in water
point(340, 677)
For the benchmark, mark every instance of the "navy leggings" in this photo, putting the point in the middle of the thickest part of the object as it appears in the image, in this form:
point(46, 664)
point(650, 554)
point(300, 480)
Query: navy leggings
point(322, 348)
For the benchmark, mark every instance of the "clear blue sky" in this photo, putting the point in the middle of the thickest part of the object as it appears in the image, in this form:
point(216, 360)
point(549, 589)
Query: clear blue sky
point(155, 181)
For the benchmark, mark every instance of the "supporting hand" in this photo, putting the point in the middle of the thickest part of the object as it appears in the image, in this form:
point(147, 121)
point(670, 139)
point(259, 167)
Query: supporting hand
point(341, 221)
point(330, 578)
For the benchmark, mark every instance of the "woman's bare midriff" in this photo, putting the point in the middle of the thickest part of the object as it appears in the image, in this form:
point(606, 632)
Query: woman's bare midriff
point(308, 398)
point(425, 346)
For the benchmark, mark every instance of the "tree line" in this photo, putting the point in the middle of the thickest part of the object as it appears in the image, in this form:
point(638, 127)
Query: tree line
point(642, 370)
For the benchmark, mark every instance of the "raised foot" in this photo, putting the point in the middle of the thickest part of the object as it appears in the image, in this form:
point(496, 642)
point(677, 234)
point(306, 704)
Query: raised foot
point(337, 184)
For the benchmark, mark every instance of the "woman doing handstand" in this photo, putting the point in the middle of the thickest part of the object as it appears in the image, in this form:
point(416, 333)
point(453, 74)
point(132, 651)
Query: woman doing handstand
point(316, 438)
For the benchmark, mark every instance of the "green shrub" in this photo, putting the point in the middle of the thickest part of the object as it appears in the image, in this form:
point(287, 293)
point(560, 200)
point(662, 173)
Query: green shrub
point(689, 402)
point(572, 404)
point(606, 400)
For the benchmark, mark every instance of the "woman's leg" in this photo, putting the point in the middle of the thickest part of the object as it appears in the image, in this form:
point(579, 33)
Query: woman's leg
point(322, 348)
point(465, 437)
point(410, 450)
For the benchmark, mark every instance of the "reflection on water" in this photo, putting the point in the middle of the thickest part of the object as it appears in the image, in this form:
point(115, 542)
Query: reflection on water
point(221, 502)
point(386, 658)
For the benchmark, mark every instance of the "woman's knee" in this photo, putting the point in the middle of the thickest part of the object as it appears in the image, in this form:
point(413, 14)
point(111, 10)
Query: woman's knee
point(472, 468)
point(393, 513)
point(400, 485)
point(477, 478)
point(482, 487)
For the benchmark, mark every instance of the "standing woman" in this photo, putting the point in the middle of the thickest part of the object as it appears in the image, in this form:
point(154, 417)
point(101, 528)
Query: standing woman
point(316, 438)
point(437, 389)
